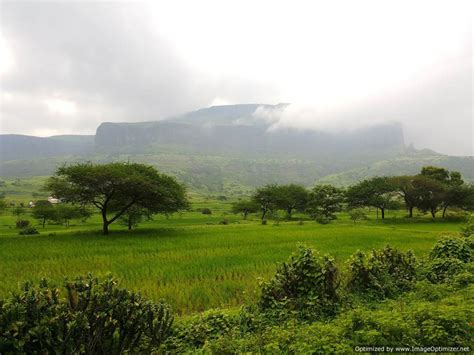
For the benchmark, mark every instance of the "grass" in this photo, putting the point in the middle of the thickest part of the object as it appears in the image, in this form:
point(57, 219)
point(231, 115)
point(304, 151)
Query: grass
point(190, 260)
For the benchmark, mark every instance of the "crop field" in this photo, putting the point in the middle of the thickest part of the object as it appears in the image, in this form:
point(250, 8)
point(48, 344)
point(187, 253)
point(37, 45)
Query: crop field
point(192, 261)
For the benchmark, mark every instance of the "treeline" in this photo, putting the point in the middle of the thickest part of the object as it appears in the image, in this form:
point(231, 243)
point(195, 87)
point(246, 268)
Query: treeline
point(431, 191)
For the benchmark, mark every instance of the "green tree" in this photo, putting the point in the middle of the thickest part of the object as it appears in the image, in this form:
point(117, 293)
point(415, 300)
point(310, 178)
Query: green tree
point(405, 188)
point(245, 207)
point(3, 203)
point(431, 194)
point(357, 214)
point(267, 198)
point(324, 201)
point(291, 198)
point(117, 184)
point(135, 215)
point(44, 211)
point(67, 212)
point(376, 192)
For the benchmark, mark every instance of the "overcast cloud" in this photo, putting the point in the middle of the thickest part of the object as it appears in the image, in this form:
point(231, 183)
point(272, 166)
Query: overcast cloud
point(65, 67)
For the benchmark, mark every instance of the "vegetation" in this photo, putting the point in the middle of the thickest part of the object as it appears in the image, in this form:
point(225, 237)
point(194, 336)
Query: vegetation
point(115, 187)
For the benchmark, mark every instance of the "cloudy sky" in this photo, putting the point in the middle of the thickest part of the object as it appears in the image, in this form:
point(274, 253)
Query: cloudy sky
point(65, 67)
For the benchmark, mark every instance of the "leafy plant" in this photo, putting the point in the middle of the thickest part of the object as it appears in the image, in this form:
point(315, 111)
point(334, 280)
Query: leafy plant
point(93, 317)
point(22, 223)
point(383, 273)
point(28, 231)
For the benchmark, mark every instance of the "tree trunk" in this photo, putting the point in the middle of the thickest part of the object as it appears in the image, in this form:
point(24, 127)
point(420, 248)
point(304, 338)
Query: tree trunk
point(130, 223)
point(264, 212)
point(383, 212)
point(105, 223)
point(433, 213)
point(444, 211)
point(44, 221)
point(410, 211)
point(245, 214)
point(288, 213)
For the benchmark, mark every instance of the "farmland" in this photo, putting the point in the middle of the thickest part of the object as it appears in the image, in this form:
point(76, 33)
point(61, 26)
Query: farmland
point(192, 261)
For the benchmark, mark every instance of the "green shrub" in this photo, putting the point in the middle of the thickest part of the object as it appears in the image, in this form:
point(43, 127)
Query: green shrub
point(453, 247)
point(384, 273)
point(468, 229)
point(22, 223)
point(443, 269)
point(94, 317)
point(206, 211)
point(196, 331)
point(307, 285)
point(28, 231)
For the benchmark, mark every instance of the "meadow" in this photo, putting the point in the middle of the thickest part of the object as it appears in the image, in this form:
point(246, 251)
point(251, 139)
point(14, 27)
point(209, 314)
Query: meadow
point(192, 261)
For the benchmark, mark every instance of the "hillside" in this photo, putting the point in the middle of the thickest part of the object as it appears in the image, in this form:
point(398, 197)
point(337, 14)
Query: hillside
point(228, 148)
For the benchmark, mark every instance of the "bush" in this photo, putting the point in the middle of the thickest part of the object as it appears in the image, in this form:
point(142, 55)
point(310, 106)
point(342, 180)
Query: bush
point(206, 211)
point(307, 285)
point(225, 221)
point(28, 231)
point(384, 273)
point(453, 247)
point(264, 222)
point(468, 229)
point(22, 223)
point(443, 269)
point(93, 317)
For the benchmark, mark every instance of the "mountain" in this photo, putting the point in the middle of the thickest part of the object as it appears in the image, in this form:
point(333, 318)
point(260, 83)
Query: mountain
point(16, 146)
point(230, 148)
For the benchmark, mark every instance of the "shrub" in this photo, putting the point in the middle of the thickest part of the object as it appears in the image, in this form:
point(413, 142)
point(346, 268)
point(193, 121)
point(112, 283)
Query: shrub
point(225, 221)
point(306, 285)
point(468, 229)
point(453, 247)
point(357, 214)
point(442, 269)
point(206, 211)
point(384, 273)
point(94, 317)
point(264, 222)
point(28, 231)
point(22, 223)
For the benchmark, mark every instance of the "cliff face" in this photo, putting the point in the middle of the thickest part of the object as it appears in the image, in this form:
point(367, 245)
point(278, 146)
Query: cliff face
point(236, 132)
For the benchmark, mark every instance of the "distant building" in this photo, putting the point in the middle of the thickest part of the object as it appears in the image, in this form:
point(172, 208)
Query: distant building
point(54, 200)
point(31, 204)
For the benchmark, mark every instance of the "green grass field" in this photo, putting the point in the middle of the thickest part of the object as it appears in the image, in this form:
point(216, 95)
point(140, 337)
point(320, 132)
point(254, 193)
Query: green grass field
point(189, 259)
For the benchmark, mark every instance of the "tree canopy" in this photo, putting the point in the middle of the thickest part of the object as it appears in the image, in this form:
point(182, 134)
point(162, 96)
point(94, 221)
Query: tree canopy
point(115, 187)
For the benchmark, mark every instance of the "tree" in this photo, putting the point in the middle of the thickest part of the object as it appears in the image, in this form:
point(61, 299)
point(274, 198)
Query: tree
point(405, 188)
point(117, 184)
point(44, 211)
point(324, 201)
point(290, 198)
point(267, 197)
point(135, 215)
point(66, 212)
point(357, 214)
point(245, 207)
point(431, 194)
point(377, 192)
point(3, 203)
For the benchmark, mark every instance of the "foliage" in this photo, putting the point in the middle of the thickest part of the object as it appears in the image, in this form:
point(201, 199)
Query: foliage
point(18, 211)
point(44, 211)
point(267, 198)
point(28, 231)
point(377, 192)
point(22, 223)
point(115, 187)
point(94, 317)
point(324, 201)
point(383, 273)
point(67, 212)
point(245, 207)
point(307, 284)
point(290, 197)
point(206, 211)
point(468, 229)
point(453, 247)
point(135, 215)
point(356, 214)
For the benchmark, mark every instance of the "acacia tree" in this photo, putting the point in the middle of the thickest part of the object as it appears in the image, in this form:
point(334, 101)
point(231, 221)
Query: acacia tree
point(267, 198)
point(117, 185)
point(324, 201)
point(404, 186)
point(44, 211)
point(291, 198)
point(245, 207)
point(376, 192)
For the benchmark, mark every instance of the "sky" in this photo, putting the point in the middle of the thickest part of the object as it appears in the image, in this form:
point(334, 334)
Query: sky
point(67, 66)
